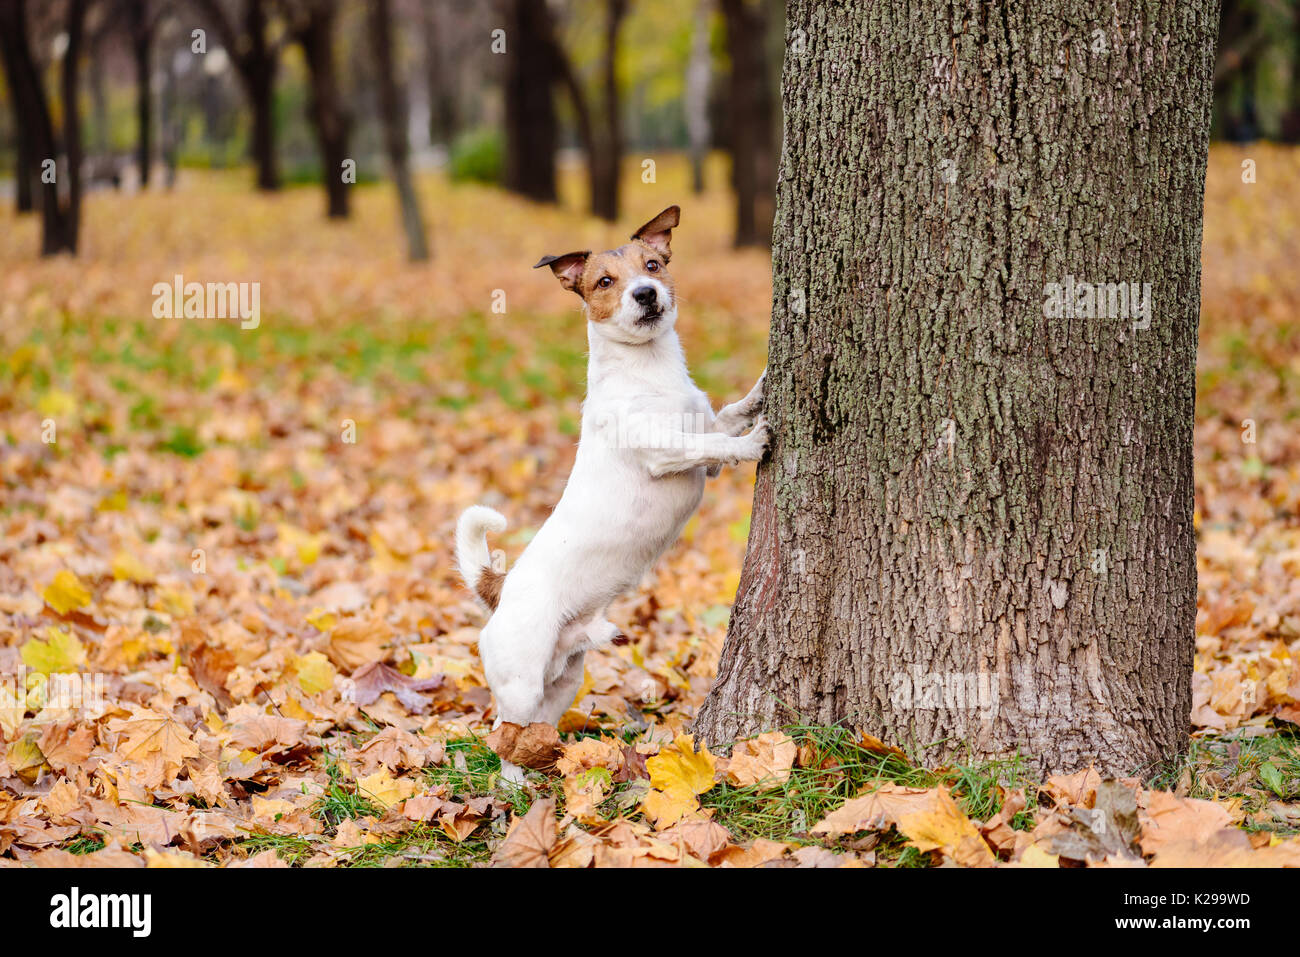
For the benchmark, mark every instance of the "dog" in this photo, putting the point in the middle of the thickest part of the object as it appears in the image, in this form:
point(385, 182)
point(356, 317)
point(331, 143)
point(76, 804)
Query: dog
point(649, 437)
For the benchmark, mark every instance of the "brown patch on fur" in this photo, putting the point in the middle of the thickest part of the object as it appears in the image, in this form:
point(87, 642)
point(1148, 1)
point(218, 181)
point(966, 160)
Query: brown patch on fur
point(489, 585)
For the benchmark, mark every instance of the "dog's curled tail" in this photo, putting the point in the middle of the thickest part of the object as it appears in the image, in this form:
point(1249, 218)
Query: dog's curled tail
point(473, 556)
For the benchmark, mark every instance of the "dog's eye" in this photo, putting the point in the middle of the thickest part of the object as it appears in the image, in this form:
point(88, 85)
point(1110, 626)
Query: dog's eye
point(604, 282)
point(652, 265)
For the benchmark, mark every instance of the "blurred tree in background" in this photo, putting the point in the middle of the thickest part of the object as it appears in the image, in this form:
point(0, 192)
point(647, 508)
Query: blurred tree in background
point(508, 92)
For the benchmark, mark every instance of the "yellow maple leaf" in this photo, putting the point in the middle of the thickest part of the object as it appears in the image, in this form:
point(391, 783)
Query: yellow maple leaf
point(678, 773)
point(665, 808)
point(12, 710)
point(382, 788)
point(941, 825)
point(305, 545)
point(315, 673)
point(26, 758)
point(680, 769)
point(176, 602)
point(384, 561)
point(60, 651)
point(126, 566)
point(57, 403)
point(322, 620)
point(66, 592)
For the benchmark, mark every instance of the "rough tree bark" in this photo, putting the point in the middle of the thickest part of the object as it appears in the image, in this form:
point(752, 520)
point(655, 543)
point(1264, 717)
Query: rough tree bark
point(392, 112)
point(750, 118)
point(531, 69)
point(973, 534)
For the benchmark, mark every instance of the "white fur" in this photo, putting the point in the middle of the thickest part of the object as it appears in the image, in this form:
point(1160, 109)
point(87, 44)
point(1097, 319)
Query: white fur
point(625, 503)
point(472, 554)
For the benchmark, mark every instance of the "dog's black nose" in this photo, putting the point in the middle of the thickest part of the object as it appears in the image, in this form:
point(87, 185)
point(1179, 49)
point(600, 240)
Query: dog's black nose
point(645, 295)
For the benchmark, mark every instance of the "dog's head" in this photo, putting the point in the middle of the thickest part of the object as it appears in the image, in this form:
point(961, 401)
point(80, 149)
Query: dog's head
point(627, 291)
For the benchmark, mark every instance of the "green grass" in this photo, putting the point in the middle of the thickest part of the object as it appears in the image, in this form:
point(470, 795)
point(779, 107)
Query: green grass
point(1215, 767)
point(342, 801)
point(1260, 769)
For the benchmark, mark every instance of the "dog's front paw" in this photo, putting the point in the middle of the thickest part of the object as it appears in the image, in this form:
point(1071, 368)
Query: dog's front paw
point(758, 439)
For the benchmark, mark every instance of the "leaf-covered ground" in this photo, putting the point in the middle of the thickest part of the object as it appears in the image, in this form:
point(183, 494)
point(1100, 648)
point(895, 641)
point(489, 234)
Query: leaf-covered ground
point(236, 545)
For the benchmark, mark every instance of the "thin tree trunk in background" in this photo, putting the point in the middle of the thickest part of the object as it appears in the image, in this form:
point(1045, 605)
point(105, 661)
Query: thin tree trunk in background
point(392, 112)
point(24, 167)
point(256, 60)
point(326, 112)
point(699, 69)
point(973, 533)
point(261, 93)
point(608, 154)
point(568, 78)
point(141, 29)
point(69, 92)
point(59, 213)
point(751, 119)
point(531, 134)
point(169, 121)
point(99, 94)
point(439, 77)
point(1291, 115)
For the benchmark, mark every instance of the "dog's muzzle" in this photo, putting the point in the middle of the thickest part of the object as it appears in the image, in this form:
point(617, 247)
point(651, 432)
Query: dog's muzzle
point(648, 299)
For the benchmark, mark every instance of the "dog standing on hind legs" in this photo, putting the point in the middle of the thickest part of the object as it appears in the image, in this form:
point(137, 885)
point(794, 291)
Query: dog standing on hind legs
point(649, 437)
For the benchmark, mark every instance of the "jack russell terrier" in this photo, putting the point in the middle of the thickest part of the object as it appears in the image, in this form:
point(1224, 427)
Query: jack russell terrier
point(649, 436)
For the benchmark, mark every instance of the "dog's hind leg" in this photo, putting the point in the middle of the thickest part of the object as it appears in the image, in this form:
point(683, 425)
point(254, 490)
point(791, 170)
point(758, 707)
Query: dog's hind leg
point(602, 631)
point(561, 691)
point(515, 663)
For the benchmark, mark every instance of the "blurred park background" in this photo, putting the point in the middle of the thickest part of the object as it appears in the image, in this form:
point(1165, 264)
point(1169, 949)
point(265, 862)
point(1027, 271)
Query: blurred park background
point(388, 171)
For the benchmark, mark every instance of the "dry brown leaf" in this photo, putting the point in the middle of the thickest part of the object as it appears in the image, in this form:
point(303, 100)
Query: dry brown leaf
point(530, 838)
point(535, 746)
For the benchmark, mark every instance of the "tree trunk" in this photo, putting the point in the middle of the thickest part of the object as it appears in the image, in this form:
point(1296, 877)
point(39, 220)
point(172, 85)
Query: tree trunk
point(699, 69)
point(141, 48)
point(973, 535)
point(69, 91)
point(604, 160)
point(1290, 122)
point(392, 112)
point(61, 195)
point(24, 165)
point(530, 111)
point(257, 60)
point(439, 77)
point(751, 121)
point(326, 111)
point(261, 96)
point(99, 93)
point(169, 116)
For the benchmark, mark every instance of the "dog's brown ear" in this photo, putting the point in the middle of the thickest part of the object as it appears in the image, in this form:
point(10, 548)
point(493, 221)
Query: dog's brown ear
point(658, 233)
point(567, 268)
